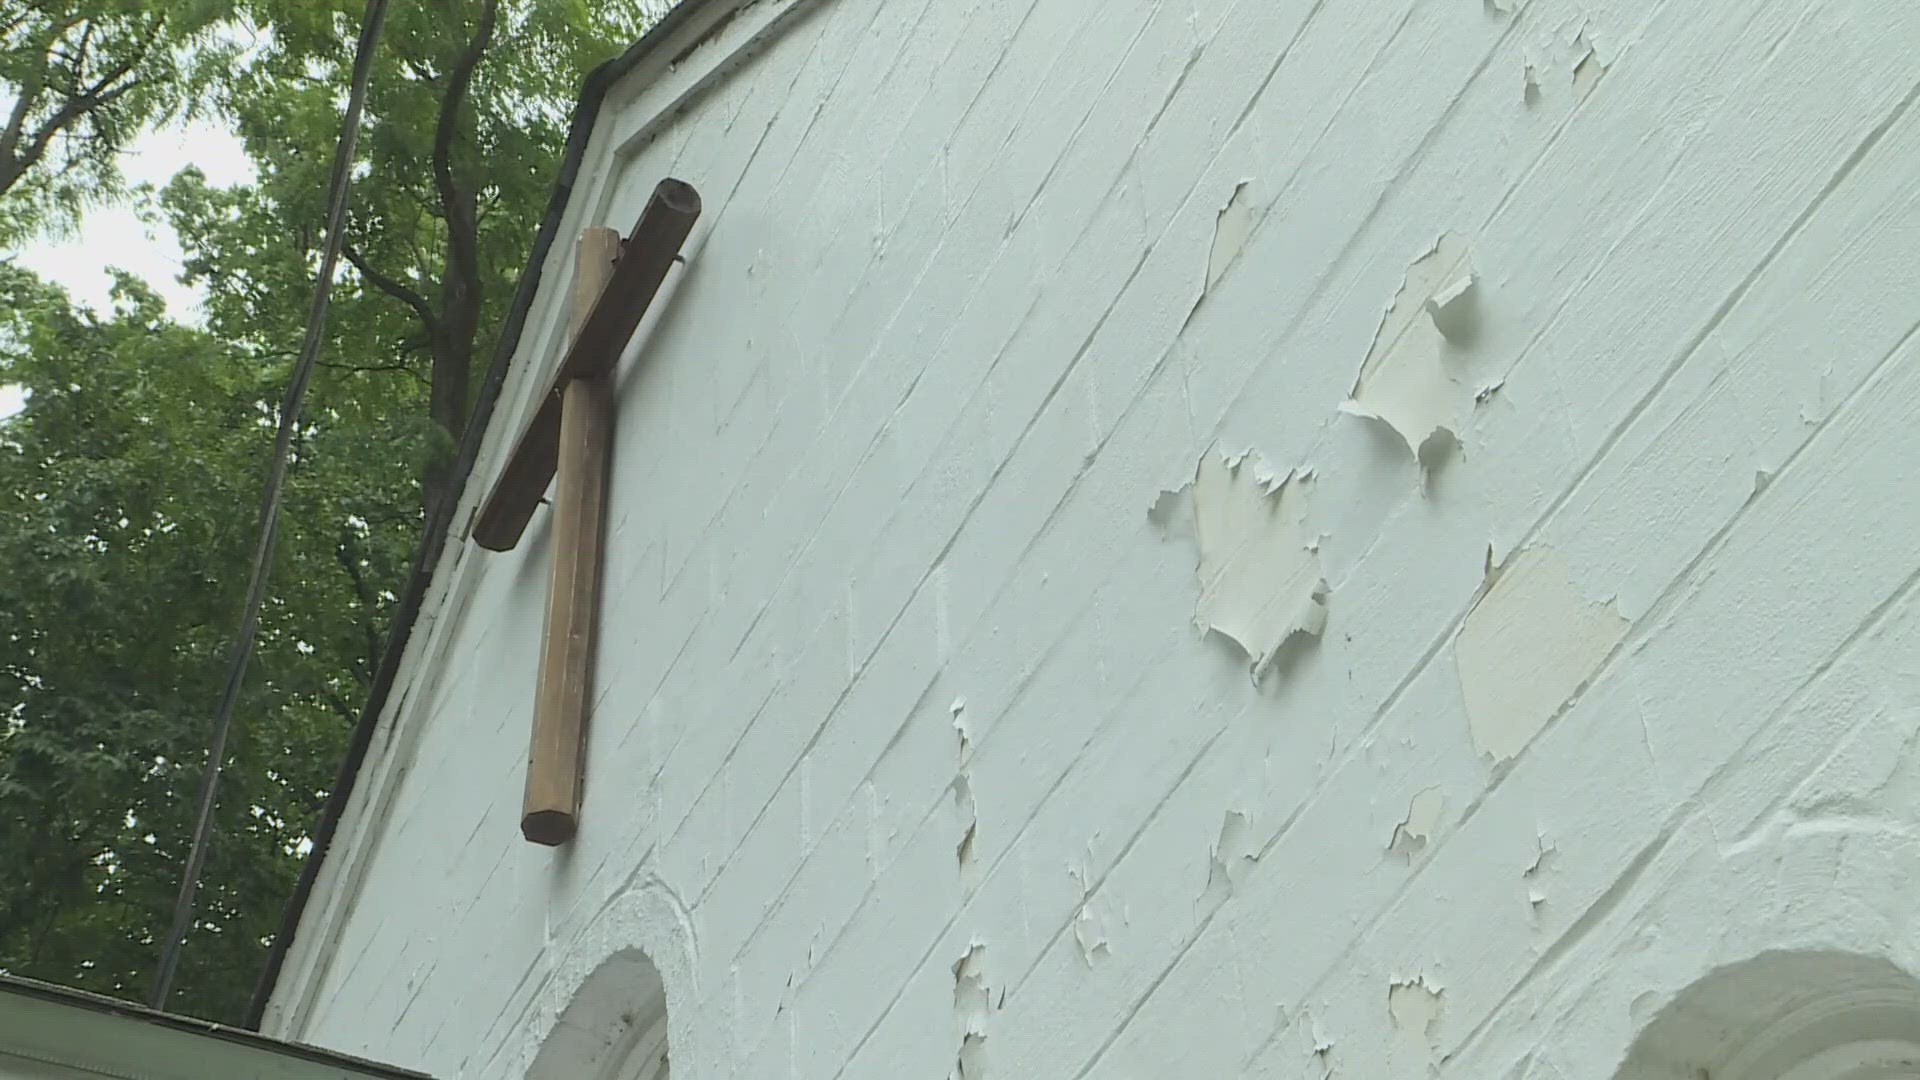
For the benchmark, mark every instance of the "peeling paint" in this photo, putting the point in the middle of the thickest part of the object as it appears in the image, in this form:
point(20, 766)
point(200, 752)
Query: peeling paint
point(969, 826)
point(1422, 821)
point(1528, 645)
point(1231, 227)
point(965, 808)
point(1089, 928)
point(1404, 381)
point(958, 710)
point(1587, 72)
point(1452, 308)
point(962, 441)
point(1414, 1006)
point(1586, 64)
point(1322, 1045)
point(1171, 514)
point(1574, 50)
point(964, 852)
point(1259, 568)
point(1536, 894)
point(1542, 852)
point(972, 1002)
point(1231, 855)
point(1087, 934)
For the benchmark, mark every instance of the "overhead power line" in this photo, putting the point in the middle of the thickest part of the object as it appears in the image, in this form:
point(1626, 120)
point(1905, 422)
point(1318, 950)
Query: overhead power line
point(303, 365)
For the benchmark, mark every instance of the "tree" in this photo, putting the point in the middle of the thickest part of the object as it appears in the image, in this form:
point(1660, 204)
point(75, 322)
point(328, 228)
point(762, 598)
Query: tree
point(117, 489)
point(80, 78)
point(126, 484)
point(466, 114)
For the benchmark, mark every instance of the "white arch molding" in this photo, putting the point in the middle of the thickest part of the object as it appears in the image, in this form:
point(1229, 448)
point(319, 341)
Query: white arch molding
point(620, 1001)
point(1786, 1015)
point(615, 1028)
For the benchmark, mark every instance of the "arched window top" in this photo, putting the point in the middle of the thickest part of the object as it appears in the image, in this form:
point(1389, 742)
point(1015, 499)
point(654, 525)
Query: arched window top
point(615, 1028)
point(1807, 1015)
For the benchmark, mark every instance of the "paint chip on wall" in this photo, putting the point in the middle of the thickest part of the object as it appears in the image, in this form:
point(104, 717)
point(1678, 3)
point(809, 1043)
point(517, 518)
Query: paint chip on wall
point(964, 806)
point(1320, 1051)
point(1528, 645)
point(1404, 381)
point(1452, 308)
point(1587, 65)
point(1422, 822)
point(1231, 855)
point(1231, 227)
point(1319, 1043)
point(1536, 894)
point(1259, 567)
point(1542, 853)
point(972, 1001)
point(1414, 1006)
point(1089, 928)
point(1573, 52)
point(958, 710)
point(1171, 514)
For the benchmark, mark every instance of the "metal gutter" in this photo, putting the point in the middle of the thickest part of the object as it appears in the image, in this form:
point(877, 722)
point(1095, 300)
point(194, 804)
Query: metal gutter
point(439, 517)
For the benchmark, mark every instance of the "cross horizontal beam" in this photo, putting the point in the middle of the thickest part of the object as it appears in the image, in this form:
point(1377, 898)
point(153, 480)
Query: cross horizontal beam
point(638, 273)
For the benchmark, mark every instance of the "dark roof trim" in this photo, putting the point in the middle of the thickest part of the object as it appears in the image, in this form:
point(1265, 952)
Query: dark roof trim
point(78, 999)
point(439, 516)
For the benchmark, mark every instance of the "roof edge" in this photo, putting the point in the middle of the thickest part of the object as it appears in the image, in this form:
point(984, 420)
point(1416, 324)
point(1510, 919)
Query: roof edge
point(440, 515)
point(81, 999)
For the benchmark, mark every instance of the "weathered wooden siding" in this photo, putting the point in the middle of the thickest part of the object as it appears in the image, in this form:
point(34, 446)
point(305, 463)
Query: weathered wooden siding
point(883, 475)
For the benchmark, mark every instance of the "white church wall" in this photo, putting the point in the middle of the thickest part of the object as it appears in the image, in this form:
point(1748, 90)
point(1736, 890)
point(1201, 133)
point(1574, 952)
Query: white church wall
point(910, 757)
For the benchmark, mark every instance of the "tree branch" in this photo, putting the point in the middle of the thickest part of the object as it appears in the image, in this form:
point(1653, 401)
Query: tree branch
point(362, 369)
point(462, 239)
point(73, 110)
point(15, 162)
point(120, 70)
point(17, 120)
point(461, 285)
point(10, 138)
point(80, 55)
point(393, 287)
point(348, 555)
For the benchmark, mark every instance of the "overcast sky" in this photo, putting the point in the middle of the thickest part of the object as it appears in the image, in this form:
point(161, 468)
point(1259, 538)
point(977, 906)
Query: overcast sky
point(115, 235)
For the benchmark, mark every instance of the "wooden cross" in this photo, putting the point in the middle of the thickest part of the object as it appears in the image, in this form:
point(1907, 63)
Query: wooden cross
point(571, 435)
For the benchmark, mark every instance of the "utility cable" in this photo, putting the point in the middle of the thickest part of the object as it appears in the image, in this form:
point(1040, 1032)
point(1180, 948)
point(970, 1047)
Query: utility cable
point(242, 650)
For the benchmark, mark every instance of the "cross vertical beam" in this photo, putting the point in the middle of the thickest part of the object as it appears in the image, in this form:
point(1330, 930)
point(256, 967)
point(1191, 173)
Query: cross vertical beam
point(571, 435)
point(550, 810)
